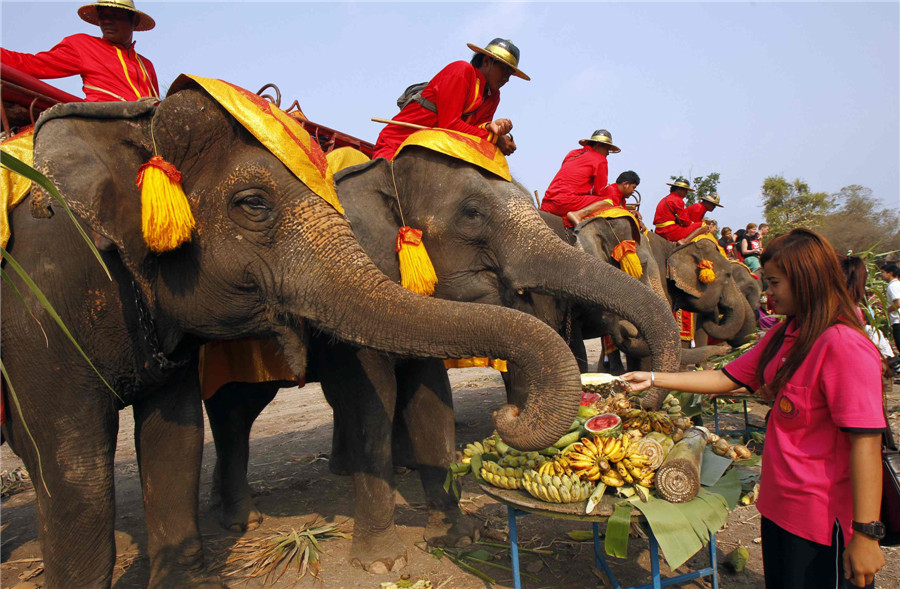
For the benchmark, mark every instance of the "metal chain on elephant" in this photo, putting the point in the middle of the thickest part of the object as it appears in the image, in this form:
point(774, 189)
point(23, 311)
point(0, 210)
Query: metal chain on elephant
point(145, 321)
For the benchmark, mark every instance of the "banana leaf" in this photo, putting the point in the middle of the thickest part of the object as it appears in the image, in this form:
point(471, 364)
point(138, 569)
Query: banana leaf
point(475, 463)
point(729, 487)
point(673, 530)
point(617, 529)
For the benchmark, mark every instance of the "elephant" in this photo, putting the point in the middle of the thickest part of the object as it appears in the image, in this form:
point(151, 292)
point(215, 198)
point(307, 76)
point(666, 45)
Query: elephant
point(717, 304)
point(489, 245)
point(268, 258)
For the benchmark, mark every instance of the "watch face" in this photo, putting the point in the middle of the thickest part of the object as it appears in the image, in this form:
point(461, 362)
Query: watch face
point(874, 529)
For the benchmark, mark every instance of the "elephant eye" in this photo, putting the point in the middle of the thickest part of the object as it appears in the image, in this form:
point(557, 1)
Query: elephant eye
point(253, 203)
point(471, 212)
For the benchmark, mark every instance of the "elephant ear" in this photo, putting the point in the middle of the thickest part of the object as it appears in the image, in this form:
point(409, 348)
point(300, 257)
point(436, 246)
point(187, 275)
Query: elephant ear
point(92, 152)
point(682, 266)
point(366, 192)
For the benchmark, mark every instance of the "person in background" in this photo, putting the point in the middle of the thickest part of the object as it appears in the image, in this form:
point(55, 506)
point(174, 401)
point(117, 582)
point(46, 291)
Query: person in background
point(109, 67)
point(751, 247)
point(891, 274)
point(727, 242)
point(678, 223)
point(581, 178)
point(763, 232)
point(613, 195)
point(820, 495)
point(462, 97)
point(713, 228)
point(855, 270)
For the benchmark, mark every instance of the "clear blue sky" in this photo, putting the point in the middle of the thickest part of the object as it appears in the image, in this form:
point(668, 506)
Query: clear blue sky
point(808, 90)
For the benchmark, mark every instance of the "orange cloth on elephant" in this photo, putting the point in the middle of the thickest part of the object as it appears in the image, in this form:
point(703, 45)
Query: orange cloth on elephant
point(579, 182)
point(242, 360)
point(686, 325)
point(109, 72)
point(672, 220)
point(463, 102)
point(13, 187)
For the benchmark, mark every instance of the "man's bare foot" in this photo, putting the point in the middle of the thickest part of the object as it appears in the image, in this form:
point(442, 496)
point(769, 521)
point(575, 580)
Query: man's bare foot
point(574, 218)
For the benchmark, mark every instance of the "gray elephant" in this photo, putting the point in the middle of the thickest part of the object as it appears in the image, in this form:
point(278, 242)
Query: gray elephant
point(488, 244)
point(268, 258)
point(673, 273)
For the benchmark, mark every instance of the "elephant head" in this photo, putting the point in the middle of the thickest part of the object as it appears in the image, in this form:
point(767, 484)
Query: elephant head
point(488, 244)
point(701, 281)
point(269, 255)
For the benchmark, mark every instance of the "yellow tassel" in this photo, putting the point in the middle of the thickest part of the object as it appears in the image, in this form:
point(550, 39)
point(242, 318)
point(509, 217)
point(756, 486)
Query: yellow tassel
point(416, 271)
point(166, 218)
point(624, 254)
point(707, 274)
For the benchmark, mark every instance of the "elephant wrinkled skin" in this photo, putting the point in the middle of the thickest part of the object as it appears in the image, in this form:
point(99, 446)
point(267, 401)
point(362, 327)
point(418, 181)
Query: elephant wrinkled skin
point(489, 245)
point(268, 258)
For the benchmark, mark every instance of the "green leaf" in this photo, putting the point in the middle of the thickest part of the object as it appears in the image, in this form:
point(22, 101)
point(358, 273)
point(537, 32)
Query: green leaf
point(477, 554)
point(475, 463)
point(729, 486)
point(23, 169)
point(674, 532)
point(617, 529)
point(39, 294)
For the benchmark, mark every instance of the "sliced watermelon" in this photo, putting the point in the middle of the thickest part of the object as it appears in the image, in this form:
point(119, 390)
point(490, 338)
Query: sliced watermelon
point(589, 398)
point(606, 425)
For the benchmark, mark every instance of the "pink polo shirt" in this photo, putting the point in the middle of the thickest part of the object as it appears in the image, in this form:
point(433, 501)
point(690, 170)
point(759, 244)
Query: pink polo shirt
point(805, 481)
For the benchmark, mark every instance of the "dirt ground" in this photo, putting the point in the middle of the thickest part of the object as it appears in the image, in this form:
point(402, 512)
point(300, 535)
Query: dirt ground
point(289, 470)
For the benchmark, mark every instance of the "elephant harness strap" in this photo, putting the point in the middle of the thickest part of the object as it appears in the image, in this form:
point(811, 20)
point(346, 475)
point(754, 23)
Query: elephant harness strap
point(148, 330)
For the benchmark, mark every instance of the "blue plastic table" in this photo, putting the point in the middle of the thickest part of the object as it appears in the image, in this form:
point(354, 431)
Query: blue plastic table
point(515, 509)
point(748, 429)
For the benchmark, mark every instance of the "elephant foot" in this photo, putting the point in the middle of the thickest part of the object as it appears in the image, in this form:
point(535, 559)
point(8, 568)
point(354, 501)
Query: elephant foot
point(378, 554)
point(450, 528)
point(241, 515)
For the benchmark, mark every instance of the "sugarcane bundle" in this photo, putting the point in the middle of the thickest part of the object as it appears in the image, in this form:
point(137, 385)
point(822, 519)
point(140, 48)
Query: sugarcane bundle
point(655, 446)
point(678, 479)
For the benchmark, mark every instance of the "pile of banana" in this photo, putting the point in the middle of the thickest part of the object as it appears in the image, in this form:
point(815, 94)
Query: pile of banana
point(505, 477)
point(647, 421)
point(613, 461)
point(566, 488)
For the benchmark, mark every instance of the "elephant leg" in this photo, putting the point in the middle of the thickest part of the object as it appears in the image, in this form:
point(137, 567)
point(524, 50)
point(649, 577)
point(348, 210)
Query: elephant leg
point(576, 344)
point(70, 460)
point(232, 411)
point(426, 402)
point(168, 434)
point(361, 388)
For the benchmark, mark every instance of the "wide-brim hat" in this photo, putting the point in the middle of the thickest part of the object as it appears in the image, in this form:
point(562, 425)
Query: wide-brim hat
point(601, 136)
point(711, 197)
point(681, 183)
point(88, 13)
point(502, 50)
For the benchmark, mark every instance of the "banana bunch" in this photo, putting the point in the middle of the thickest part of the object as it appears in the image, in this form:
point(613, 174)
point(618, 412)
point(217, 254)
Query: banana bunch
point(505, 477)
point(647, 421)
point(614, 461)
point(526, 460)
point(672, 406)
point(557, 489)
point(558, 465)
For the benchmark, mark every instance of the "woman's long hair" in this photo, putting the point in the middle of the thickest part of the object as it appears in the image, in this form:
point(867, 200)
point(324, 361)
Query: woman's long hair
point(821, 300)
point(854, 269)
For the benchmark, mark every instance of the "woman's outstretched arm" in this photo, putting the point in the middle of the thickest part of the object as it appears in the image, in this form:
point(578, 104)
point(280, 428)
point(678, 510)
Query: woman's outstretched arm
point(700, 381)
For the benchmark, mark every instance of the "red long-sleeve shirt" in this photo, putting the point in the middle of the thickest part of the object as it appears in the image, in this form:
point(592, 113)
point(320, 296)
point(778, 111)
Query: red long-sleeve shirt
point(457, 89)
point(108, 72)
point(677, 221)
point(579, 182)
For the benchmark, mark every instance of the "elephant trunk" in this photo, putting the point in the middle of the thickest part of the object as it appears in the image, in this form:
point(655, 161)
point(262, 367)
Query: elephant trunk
point(358, 303)
point(747, 329)
point(591, 282)
point(732, 309)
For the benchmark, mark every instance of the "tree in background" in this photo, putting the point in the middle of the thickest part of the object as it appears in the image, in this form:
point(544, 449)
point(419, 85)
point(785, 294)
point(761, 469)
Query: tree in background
point(702, 186)
point(858, 222)
point(787, 205)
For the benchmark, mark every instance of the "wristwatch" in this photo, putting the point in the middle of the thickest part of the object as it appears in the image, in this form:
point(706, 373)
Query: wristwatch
point(874, 530)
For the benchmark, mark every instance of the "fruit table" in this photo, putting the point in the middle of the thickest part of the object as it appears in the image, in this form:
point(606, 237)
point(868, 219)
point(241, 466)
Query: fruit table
point(748, 429)
point(521, 503)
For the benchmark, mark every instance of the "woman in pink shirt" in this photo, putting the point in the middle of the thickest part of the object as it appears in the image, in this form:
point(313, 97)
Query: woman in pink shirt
point(821, 470)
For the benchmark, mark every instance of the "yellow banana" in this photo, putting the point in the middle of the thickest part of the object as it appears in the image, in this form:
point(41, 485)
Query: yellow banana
point(612, 481)
point(624, 472)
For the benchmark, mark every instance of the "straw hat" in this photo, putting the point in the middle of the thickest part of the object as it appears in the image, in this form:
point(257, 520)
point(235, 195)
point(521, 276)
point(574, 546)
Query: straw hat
point(88, 13)
point(711, 197)
point(681, 183)
point(601, 136)
point(502, 50)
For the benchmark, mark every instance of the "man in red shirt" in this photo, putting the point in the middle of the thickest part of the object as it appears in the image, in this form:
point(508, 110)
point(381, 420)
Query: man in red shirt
point(461, 97)
point(613, 195)
point(581, 178)
point(109, 67)
point(677, 223)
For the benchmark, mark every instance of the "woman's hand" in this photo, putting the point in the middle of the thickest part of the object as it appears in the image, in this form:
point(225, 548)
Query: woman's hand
point(500, 126)
point(638, 381)
point(862, 559)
